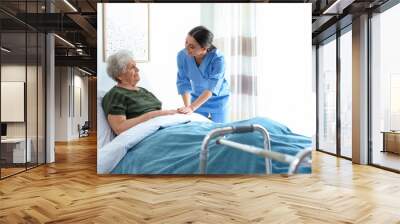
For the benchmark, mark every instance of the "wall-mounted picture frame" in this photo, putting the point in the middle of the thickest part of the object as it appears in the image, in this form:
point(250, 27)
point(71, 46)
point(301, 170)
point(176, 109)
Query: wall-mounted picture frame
point(126, 26)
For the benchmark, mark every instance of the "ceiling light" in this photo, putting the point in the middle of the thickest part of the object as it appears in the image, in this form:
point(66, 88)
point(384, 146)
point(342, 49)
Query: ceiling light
point(338, 6)
point(64, 40)
point(5, 50)
point(86, 72)
point(70, 5)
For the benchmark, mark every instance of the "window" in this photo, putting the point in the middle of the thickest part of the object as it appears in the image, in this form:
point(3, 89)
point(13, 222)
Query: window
point(327, 96)
point(385, 88)
point(346, 94)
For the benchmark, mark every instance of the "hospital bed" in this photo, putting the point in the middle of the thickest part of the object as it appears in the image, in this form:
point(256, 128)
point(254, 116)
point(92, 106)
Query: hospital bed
point(175, 144)
point(177, 149)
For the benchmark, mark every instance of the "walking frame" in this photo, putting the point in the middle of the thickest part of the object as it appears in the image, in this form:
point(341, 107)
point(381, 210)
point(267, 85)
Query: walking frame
point(303, 157)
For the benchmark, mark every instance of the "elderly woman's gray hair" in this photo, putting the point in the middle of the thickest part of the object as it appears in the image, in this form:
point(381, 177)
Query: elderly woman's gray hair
point(116, 63)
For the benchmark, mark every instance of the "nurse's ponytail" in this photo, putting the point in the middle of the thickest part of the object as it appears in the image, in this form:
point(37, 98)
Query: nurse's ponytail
point(203, 36)
point(212, 47)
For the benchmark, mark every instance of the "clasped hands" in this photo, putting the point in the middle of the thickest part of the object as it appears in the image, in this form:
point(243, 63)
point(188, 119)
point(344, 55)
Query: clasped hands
point(185, 110)
point(182, 110)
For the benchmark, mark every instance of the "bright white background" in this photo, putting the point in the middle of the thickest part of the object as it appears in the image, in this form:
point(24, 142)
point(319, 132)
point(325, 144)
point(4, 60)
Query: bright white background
point(283, 59)
point(385, 67)
point(284, 62)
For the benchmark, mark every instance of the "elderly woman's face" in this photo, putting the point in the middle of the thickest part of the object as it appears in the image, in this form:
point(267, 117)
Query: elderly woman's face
point(193, 47)
point(131, 74)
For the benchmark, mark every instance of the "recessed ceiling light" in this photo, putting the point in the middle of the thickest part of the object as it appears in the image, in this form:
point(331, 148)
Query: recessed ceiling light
point(70, 5)
point(338, 6)
point(5, 50)
point(86, 72)
point(64, 40)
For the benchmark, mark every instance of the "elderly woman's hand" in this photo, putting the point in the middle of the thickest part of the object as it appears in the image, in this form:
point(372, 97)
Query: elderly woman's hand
point(185, 110)
point(169, 112)
point(157, 113)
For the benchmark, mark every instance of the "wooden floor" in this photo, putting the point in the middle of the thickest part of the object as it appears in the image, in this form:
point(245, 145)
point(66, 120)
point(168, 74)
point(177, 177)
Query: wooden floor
point(70, 191)
point(10, 171)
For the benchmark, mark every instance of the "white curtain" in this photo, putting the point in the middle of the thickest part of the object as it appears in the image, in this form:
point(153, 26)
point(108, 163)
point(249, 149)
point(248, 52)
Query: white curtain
point(234, 31)
point(268, 60)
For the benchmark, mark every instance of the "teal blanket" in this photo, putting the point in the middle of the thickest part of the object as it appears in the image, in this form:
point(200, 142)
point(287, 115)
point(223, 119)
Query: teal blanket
point(176, 150)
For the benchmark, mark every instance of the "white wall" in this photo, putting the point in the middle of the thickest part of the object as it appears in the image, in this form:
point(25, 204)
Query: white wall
point(33, 126)
point(61, 103)
point(65, 97)
point(80, 82)
point(169, 25)
point(17, 73)
point(284, 52)
point(314, 88)
point(14, 73)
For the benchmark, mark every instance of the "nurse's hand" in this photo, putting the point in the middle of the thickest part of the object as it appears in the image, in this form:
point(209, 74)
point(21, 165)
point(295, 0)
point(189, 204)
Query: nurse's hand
point(185, 110)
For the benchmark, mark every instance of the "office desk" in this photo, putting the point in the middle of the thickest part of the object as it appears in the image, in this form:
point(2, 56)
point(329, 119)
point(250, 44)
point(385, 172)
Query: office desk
point(13, 150)
point(391, 141)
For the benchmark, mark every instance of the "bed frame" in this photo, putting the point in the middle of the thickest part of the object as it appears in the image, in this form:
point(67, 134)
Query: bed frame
point(303, 157)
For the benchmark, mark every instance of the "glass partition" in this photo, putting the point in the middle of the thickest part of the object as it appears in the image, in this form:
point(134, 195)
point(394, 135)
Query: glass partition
point(41, 109)
point(13, 103)
point(346, 94)
point(31, 98)
point(22, 64)
point(327, 96)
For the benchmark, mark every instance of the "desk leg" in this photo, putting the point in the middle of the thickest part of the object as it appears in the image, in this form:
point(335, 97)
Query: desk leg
point(384, 143)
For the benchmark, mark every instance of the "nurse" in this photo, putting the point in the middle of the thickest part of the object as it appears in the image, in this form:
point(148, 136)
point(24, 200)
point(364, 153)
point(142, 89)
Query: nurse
point(201, 77)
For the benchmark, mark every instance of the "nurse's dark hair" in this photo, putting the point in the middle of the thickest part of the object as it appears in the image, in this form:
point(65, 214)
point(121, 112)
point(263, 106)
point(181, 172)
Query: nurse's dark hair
point(203, 36)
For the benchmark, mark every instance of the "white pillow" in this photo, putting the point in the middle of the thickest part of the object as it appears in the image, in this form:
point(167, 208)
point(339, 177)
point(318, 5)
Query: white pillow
point(110, 155)
point(104, 131)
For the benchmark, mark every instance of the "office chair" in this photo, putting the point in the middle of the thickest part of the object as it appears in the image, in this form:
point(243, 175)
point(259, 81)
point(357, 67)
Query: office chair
point(84, 130)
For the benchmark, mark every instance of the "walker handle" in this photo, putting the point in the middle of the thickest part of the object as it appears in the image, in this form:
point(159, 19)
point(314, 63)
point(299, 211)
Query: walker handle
point(242, 129)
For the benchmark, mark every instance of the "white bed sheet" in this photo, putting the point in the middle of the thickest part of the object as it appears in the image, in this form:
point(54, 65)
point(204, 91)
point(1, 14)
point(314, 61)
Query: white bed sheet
point(111, 153)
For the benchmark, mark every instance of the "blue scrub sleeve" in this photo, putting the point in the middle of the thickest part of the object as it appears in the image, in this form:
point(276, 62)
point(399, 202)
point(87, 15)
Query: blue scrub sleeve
point(182, 81)
point(216, 77)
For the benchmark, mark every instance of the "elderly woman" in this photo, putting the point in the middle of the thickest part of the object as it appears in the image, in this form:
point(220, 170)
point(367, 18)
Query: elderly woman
point(126, 104)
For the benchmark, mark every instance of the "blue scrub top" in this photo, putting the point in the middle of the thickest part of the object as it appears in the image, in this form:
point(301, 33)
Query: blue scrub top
point(209, 75)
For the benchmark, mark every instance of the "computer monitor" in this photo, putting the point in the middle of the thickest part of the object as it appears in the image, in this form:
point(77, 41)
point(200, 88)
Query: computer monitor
point(3, 129)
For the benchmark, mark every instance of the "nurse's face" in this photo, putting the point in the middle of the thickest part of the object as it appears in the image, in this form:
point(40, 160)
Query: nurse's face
point(131, 74)
point(193, 48)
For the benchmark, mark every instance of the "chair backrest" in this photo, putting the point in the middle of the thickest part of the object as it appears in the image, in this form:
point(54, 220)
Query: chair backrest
point(86, 125)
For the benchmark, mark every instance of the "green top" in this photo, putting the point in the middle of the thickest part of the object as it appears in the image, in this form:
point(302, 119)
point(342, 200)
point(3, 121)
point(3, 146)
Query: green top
point(131, 103)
